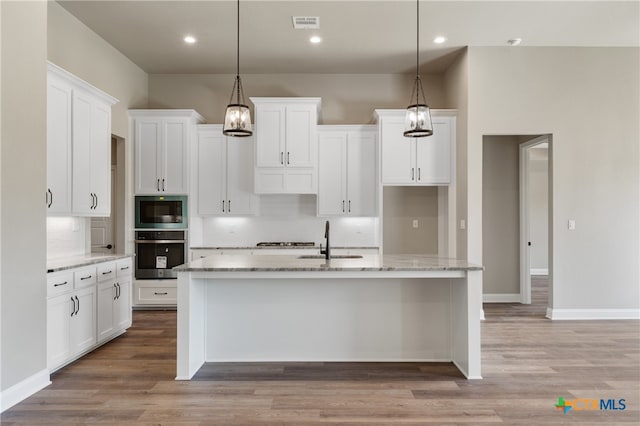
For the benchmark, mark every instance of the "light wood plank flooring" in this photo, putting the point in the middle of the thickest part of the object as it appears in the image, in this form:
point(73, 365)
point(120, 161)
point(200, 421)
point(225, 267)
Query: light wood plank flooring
point(528, 362)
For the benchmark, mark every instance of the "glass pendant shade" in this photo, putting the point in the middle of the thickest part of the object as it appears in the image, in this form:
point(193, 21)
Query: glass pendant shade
point(417, 122)
point(237, 117)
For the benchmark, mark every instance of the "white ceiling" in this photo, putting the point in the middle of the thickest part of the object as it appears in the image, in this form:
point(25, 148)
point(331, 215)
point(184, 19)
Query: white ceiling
point(358, 36)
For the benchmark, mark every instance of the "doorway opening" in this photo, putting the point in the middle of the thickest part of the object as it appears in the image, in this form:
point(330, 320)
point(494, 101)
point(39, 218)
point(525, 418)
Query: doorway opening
point(516, 224)
point(107, 233)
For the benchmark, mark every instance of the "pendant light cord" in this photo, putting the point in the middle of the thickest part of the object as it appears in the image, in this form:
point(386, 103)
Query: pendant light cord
point(238, 50)
point(417, 47)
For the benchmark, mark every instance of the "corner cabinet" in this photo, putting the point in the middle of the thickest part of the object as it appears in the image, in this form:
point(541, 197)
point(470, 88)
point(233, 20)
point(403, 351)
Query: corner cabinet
point(78, 146)
point(225, 173)
point(86, 306)
point(416, 161)
point(347, 183)
point(161, 141)
point(286, 145)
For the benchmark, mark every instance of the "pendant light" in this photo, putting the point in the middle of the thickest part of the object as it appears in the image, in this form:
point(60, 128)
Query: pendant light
point(237, 117)
point(417, 123)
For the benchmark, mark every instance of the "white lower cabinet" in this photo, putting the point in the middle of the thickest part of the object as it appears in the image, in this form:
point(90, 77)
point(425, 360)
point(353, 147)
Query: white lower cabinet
point(86, 307)
point(155, 293)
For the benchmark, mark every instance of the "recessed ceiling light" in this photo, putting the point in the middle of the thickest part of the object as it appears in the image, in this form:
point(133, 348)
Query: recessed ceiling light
point(439, 40)
point(315, 39)
point(514, 41)
point(189, 39)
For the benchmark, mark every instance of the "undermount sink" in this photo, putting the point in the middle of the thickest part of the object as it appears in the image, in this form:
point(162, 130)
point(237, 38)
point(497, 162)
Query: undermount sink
point(337, 256)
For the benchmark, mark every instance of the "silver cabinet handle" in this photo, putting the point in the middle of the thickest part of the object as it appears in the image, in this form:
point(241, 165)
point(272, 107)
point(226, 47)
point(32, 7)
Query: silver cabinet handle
point(59, 284)
point(163, 185)
point(74, 306)
point(418, 173)
point(288, 158)
point(49, 198)
point(124, 268)
point(342, 206)
point(160, 294)
point(116, 288)
point(349, 206)
point(412, 173)
point(96, 195)
point(158, 184)
point(107, 272)
point(228, 206)
point(85, 278)
point(222, 206)
point(78, 300)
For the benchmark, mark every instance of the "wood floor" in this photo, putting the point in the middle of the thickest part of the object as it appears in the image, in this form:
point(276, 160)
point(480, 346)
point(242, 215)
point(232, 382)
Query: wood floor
point(528, 362)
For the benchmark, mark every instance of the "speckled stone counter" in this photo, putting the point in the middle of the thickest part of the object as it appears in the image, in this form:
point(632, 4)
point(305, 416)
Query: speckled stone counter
point(80, 261)
point(293, 263)
point(242, 308)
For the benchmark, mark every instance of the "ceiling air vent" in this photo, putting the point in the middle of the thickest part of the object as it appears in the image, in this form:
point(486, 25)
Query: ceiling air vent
point(306, 22)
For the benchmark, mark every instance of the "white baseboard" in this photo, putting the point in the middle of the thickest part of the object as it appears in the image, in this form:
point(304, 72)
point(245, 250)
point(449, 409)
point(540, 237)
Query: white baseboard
point(501, 298)
point(592, 314)
point(24, 389)
point(539, 271)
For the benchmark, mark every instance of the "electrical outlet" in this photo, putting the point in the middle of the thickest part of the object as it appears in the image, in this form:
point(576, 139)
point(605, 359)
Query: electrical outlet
point(463, 224)
point(571, 225)
point(415, 223)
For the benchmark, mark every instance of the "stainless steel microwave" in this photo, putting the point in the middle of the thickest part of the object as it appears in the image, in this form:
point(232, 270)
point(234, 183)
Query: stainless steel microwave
point(161, 212)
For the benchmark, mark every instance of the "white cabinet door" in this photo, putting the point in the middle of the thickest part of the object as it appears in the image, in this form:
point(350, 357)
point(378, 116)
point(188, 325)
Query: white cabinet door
point(83, 323)
point(270, 134)
point(59, 311)
point(83, 199)
point(361, 174)
point(332, 173)
point(211, 173)
point(433, 154)
point(239, 169)
point(106, 320)
point(59, 99)
point(301, 123)
point(397, 152)
point(148, 155)
point(174, 176)
point(122, 305)
point(101, 159)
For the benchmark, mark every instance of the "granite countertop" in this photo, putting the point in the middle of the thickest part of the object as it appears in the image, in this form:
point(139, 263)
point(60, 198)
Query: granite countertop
point(65, 263)
point(284, 248)
point(246, 263)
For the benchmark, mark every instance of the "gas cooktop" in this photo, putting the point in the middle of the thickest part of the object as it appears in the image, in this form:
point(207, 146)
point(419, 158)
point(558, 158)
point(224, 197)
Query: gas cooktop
point(285, 244)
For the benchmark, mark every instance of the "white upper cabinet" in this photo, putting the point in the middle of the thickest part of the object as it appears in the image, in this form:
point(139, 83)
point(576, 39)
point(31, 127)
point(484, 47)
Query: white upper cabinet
point(416, 161)
point(78, 146)
point(225, 173)
point(347, 170)
point(286, 145)
point(161, 145)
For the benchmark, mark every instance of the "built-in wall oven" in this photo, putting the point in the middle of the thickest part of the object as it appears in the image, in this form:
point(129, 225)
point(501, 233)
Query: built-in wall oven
point(158, 251)
point(160, 236)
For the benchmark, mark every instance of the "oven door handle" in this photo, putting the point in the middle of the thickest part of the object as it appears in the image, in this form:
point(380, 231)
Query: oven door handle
point(159, 241)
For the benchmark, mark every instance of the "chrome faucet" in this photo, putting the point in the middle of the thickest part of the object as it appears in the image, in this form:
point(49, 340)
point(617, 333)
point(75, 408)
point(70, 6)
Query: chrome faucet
point(327, 251)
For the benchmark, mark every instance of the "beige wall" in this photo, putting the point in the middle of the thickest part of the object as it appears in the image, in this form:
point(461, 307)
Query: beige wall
point(500, 210)
point(77, 49)
point(594, 167)
point(23, 182)
point(402, 205)
point(346, 98)
point(456, 82)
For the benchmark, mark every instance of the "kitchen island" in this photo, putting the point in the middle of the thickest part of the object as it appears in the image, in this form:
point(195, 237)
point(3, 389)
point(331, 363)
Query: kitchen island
point(242, 308)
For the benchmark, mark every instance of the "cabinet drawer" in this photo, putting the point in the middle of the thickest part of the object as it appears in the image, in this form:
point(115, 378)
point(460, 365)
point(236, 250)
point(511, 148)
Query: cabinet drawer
point(59, 283)
point(157, 295)
point(84, 277)
point(106, 271)
point(124, 267)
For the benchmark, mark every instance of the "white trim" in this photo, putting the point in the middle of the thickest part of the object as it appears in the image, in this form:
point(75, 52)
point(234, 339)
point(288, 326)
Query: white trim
point(592, 314)
point(501, 298)
point(24, 389)
point(539, 271)
point(61, 73)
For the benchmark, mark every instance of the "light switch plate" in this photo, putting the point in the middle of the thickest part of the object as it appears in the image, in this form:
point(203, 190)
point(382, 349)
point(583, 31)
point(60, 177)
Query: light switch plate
point(571, 225)
point(463, 224)
point(415, 223)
